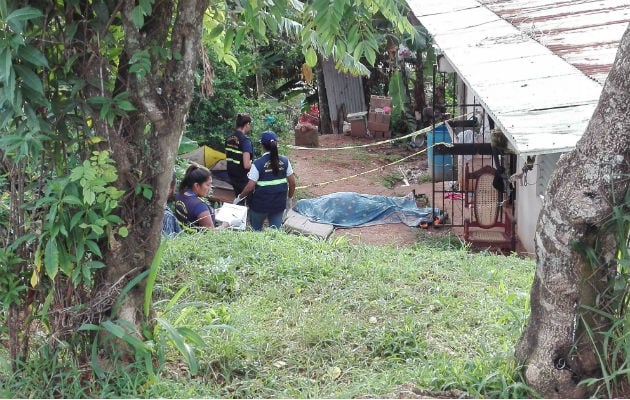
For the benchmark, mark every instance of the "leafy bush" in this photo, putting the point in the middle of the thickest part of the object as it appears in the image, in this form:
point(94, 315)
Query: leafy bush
point(210, 119)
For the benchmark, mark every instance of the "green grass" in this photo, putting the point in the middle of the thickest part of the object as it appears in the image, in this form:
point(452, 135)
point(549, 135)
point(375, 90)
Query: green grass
point(390, 158)
point(361, 154)
point(288, 316)
point(425, 178)
point(303, 310)
point(390, 180)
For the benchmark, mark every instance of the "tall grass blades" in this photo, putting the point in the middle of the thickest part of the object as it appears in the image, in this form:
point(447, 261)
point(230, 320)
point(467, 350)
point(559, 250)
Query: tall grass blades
point(612, 346)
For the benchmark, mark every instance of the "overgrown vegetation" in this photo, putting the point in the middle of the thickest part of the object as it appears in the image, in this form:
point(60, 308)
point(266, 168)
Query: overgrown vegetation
point(212, 118)
point(93, 100)
point(283, 315)
point(390, 180)
point(92, 114)
point(612, 306)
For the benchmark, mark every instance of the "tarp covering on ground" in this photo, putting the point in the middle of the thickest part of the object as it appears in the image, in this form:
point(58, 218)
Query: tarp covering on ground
point(350, 209)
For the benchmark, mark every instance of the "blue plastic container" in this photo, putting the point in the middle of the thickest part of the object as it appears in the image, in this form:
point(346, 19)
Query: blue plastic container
point(440, 166)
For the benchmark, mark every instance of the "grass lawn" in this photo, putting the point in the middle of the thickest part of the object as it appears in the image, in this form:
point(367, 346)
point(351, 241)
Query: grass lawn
point(287, 316)
point(294, 317)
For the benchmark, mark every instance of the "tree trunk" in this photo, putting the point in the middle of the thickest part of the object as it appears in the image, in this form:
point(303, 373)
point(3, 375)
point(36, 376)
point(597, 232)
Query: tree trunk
point(260, 86)
point(554, 349)
point(419, 95)
point(145, 148)
point(325, 123)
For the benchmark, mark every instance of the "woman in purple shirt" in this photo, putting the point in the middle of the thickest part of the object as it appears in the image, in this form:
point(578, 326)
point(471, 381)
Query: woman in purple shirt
point(191, 208)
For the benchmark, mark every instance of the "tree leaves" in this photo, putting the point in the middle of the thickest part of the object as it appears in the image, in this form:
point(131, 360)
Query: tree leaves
point(51, 258)
point(16, 19)
point(140, 11)
point(20, 64)
point(311, 57)
point(400, 100)
point(29, 79)
point(317, 25)
point(32, 55)
point(140, 63)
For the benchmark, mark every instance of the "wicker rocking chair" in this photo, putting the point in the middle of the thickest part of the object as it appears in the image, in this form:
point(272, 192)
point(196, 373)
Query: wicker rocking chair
point(490, 224)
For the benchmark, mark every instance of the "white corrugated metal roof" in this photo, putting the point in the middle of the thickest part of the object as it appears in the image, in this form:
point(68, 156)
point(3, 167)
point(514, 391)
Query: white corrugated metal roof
point(537, 66)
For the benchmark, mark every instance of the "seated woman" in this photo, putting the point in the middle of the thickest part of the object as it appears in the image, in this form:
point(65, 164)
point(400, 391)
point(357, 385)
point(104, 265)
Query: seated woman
point(191, 208)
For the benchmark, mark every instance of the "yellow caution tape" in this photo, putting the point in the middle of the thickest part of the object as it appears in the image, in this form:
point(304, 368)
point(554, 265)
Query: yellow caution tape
point(412, 134)
point(416, 133)
point(374, 169)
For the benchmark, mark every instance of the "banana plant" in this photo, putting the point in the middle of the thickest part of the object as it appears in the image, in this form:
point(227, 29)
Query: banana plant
point(402, 114)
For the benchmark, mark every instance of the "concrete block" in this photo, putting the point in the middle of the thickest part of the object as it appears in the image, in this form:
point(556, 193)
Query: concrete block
point(379, 102)
point(358, 124)
point(299, 223)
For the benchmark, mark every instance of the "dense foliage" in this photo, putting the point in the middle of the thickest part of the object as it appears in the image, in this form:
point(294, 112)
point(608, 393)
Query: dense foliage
point(212, 117)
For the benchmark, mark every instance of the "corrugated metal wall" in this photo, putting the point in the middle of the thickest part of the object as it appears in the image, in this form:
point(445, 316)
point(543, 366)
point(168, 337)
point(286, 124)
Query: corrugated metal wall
point(345, 94)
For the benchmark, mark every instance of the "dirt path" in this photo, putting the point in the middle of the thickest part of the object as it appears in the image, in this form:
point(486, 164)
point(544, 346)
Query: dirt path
point(321, 172)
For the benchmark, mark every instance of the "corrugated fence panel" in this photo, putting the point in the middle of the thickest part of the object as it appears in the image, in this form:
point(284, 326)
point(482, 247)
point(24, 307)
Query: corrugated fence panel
point(345, 95)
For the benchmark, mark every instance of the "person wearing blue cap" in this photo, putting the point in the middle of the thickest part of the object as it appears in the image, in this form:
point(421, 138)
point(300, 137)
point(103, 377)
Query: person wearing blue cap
point(271, 185)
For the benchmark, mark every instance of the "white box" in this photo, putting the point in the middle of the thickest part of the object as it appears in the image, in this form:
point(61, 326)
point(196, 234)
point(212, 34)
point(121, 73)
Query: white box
point(233, 214)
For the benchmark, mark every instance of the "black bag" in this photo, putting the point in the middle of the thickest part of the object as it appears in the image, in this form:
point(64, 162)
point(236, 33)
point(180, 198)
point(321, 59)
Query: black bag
point(499, 182)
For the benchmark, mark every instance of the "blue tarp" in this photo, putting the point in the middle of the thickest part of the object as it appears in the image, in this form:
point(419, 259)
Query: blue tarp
point(350, 209)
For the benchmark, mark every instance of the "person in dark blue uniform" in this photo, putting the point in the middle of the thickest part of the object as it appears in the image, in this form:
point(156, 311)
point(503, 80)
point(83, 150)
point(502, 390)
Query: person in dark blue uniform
point(271, 185)
point(239, 153)
point(191, 208)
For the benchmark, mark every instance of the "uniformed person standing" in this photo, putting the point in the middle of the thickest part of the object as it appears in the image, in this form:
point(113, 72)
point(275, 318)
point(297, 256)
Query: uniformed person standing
point(271, 185)
point(239, 153)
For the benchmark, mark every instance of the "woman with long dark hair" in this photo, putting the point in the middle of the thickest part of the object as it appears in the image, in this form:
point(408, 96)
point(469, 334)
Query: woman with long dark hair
point(271, 185)
point(191, 208)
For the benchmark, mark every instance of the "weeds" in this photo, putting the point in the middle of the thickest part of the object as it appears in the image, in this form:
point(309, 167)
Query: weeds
point(425, 178)
point(612, 343)
point(390, 180)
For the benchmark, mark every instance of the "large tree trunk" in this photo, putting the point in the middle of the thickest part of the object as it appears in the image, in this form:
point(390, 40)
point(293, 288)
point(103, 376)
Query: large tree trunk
point(325, 122)
point(146, 147)
point(554, 349)
point(419, 95)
